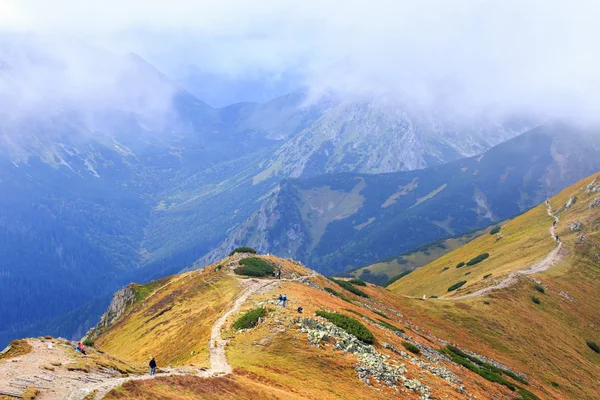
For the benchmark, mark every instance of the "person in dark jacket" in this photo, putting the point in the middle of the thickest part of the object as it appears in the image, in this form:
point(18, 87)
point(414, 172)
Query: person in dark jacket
point(284, 299)
point(152, 366)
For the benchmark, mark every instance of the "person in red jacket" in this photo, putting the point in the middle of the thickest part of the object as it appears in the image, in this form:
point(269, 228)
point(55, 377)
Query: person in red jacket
point(81, 348)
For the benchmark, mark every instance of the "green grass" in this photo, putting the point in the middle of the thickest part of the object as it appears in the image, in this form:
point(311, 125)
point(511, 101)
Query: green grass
point(252, 266)
point(349, 324)
point(380, 314)
point(389, 326)
point(478, 259)
point(88, 342)
point(456, 285)
point(411, 347)
point(337, 294)
point(250, 319)
point(357, 282)
point(348, 286)
point(242, 249)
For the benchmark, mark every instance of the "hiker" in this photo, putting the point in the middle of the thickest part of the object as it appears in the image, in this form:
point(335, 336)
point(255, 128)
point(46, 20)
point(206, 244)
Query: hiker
point(284, 299)
point(80, 348)
point(554, 223)
point(279, 300)
point(279, 273)
point(557, 240)
point(152, 366)
point(300, 309)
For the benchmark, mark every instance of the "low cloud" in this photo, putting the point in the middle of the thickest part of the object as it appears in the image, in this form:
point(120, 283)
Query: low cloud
point(463, 56)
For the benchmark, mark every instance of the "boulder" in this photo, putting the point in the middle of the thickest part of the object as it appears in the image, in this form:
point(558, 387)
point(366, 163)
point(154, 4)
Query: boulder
point(595, 202)
point(575, 226)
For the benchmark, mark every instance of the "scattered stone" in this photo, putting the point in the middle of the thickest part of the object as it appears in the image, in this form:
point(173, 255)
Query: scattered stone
point(572, 200)
point(593, 187)
point(595, 202)
point(575, 226)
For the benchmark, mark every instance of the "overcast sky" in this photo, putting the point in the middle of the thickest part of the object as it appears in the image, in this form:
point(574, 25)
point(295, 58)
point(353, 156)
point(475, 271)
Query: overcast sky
point(539, 55)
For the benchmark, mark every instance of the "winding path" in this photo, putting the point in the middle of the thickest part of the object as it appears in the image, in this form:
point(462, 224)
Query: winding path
point(550, 260)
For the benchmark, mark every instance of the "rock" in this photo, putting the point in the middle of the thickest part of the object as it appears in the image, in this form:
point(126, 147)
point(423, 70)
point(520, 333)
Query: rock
point(121, 300)
point(575, 226)
point(595, 202)
point(593, 187)
point(572, 200)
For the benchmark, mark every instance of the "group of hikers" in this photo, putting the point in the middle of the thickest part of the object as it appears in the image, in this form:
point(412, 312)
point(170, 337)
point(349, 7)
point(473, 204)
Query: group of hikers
point(282, 300)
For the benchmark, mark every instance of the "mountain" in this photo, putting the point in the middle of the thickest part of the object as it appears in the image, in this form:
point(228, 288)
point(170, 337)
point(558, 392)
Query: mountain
point(384, 271)
point(527, 331)
point(338, 221)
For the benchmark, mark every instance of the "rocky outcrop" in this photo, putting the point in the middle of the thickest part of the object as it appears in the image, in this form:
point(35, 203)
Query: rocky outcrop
point(575, 226)
point(122, 299)
point(593, 187)
point(595, 203)
point(572, 200)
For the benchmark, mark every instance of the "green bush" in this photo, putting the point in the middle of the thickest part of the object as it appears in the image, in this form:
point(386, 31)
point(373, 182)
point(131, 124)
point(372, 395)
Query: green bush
point(380, 314)
point(243, 249)
point(218, 267)
point(357, 282)
point(539, 288)
point(456, 285)
point(433, 297)
point(389, 326)
point(445, 269)
point(535, 300)
point(88, 342)
point(594, 347)
point(554, 384)
point(250, 319)
point(349, 324)
point(487, 276)
point(460, 265)
point(495, 230)
point(348, 286)
point(411, 347)
point(478, 259)
point(337, 294)
point(253, 266)
point(468, 273)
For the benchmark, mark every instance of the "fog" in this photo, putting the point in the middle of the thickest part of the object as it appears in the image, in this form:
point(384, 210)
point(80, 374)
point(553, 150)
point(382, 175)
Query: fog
point(460, 57)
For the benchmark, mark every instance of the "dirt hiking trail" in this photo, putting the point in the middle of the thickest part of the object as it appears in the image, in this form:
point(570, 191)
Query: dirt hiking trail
point(550, 260)
point(27, 370)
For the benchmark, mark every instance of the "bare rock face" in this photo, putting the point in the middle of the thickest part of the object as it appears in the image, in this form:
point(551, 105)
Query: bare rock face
point(593, 187)
point(595, 202)
point(575, 226)
point(122, 299)
point(571, 201)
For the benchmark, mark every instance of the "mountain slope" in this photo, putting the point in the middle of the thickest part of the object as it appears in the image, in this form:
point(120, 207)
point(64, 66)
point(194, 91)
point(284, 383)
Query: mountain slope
point(345, 220)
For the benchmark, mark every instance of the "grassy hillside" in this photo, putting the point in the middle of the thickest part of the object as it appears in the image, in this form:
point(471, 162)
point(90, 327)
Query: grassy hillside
point(380, 272)
point(548, 338)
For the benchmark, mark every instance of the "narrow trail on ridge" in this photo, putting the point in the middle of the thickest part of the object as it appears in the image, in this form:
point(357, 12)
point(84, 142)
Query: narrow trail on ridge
point(550, 260)
point(218, 360)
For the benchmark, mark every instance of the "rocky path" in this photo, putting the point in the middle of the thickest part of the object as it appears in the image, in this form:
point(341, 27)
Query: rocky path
point(550, 260)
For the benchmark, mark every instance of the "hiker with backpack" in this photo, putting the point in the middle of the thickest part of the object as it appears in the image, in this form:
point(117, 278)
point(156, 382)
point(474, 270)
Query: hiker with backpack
point(284, 299)
point(279, 273)
point(279, 300)
point(152, 366)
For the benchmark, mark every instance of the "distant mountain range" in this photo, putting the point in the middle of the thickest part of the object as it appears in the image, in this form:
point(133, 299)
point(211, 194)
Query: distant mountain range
point(338, 221)
point(116, 173)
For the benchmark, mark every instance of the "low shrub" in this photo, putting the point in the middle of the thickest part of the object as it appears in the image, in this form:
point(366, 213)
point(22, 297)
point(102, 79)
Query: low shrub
point(218, 267)
point(253, 266)
point(468, 273)
point(433, 297)
point(380, 314)
point(460, 265)
point(535, 300)
point(445, 269)
point(487, 276)
point(554, 384)
point(594, 346)
point(250, 319)
point(478, 259)
point(456, 285)
point(495, 230)
point(30, 393)
point(243, 249)
point(389, 326)
point(337, 294)
point(78, 367)
point(48, 337)
point(349, 324)
point(539, 288)
point(88, 342)
point(348, 286)
point(357, 282)
point(411, 347)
